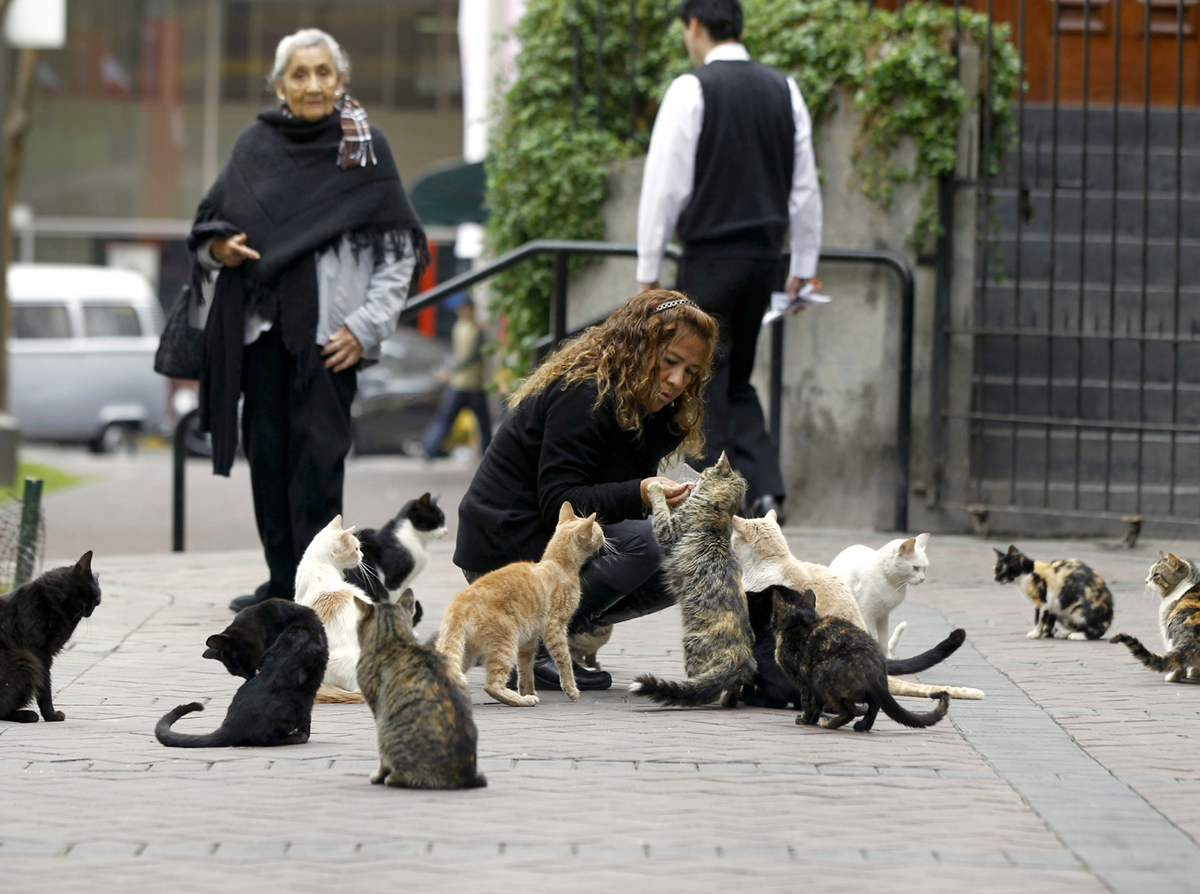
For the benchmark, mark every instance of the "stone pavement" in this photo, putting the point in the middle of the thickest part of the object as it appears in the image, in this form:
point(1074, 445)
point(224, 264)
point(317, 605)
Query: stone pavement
point(1073, 775)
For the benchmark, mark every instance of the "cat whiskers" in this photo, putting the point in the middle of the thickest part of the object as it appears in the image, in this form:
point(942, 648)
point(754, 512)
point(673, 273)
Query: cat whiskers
point(371, 571)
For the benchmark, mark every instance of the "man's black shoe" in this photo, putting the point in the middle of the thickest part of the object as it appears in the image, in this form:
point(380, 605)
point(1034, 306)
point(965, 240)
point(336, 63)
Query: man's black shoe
point(764, 504)
point(546, 678)
point(261, 594)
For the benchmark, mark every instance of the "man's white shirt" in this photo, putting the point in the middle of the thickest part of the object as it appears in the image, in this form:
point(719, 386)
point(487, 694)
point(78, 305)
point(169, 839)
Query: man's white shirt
point(670, 173)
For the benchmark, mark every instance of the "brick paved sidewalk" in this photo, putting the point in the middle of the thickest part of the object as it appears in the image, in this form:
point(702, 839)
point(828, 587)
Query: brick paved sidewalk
point(1076, 774)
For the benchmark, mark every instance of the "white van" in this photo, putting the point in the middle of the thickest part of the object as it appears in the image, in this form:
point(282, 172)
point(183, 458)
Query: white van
point(81, 355)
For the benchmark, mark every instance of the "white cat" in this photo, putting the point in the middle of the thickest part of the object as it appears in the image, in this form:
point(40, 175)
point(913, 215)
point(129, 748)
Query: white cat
point(320, 586)
point(879, 580)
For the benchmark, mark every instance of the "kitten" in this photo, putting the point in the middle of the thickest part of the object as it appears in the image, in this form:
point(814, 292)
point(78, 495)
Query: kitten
point(502, 615)
point(280, 649)
point(321, 586)
point(584, 646)
point(701, 571)
point(763, 553)
point(836, 665)
point(395, 554)
point(1177, 584)
point(879, 580)
point(36, 620)
point(421, 705)
point(1064, 591)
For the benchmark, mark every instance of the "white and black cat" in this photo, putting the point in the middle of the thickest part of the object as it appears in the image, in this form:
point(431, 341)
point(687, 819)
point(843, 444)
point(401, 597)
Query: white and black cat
point(280, 649)
point(392, 556)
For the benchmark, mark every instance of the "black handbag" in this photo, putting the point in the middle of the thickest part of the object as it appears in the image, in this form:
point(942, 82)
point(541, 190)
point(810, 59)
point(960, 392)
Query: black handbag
point(180, 345)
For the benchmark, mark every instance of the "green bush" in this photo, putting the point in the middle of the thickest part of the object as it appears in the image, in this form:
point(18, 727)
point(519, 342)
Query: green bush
point(547, 175)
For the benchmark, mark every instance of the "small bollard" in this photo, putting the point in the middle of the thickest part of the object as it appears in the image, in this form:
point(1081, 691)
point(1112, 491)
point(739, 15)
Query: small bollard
point(31, 510)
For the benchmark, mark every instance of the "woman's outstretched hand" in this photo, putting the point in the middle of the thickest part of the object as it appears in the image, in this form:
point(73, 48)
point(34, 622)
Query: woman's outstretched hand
point(674, 492)
point(232, 250)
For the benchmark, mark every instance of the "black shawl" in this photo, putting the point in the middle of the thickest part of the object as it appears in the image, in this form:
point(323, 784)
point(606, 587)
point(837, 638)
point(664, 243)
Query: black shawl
point(284, 188)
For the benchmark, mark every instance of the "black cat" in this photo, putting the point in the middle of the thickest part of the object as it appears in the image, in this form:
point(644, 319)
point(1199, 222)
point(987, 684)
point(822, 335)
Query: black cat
point(834, 665)
point(773, 689)
point(281, 650)
point(396, 553)
point(36, 620)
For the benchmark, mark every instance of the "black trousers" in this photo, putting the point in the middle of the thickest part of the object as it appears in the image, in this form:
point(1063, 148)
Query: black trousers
point(737, 291)
point(296, 441)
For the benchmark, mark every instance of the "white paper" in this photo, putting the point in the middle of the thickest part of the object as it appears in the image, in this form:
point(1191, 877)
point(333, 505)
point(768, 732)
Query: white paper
point(782, 303)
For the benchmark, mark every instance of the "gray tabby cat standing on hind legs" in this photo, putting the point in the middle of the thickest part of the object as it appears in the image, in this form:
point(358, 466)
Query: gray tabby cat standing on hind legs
point(702, 572)
point(421, 705)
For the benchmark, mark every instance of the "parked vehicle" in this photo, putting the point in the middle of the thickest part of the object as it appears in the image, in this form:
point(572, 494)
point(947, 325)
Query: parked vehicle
point(81, 355)
point(398, 396)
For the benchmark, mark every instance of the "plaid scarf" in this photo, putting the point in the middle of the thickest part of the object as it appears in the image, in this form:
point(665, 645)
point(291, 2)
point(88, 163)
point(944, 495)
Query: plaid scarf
point(355, 149)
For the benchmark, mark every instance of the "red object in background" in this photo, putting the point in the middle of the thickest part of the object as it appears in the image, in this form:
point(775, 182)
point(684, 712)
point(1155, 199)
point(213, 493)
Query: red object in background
point(427, 318)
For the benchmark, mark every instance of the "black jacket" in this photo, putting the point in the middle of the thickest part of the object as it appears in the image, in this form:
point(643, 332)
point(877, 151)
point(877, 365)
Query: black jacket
point(554, 447)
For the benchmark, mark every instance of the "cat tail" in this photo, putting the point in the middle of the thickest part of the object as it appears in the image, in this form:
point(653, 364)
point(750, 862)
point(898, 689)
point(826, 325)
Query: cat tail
point(700, 690)
point(1160, 663)
point(894, 710)
point(927, 690)
point(926, 660)
point(894, 641)
point(172, 739)
point(335, 695)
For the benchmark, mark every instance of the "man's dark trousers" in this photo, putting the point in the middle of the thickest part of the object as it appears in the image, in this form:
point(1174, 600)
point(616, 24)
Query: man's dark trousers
point(735, 289)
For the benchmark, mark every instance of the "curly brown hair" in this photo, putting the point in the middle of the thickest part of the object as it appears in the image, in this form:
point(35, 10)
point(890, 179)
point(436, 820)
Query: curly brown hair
point(617, 354)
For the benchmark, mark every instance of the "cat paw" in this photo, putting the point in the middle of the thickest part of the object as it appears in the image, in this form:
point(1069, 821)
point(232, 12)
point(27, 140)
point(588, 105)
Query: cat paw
point(654, 489)
point(824, 722)
point(379, 776)
point(528, 701)
point(1034, 634)
point(1077, 636)
point(1174, 676)
point(572, 693)
point(56, 716)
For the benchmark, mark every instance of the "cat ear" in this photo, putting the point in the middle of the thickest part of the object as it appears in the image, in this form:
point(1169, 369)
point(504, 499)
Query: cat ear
point(908, 546)
point(85, 561)
point(407, 600)
point(1174, 558)
point(1012, 551)
point(350, 530)
point(922, 539)
point(807, 599)
point(217, 642)
point(772, 516)
point(1161, 554)
point(424, 498)
point(997, 552)
point(336, 524)
point(565, 512)
point(723, 463)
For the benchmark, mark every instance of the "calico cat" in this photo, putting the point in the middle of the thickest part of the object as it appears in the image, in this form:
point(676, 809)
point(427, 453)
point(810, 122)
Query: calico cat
point(501, 616)
point(321, 586)
point(279, 647)
point(421, 705)
point(36, 620)
point(879, 580)
point(1177, 584)
point(1065, 592)
point(836, 665)
point(701, 571)
point(395, 554)
point(763, 554)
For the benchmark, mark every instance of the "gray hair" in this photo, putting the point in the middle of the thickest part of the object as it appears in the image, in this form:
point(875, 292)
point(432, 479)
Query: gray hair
point(308, 37)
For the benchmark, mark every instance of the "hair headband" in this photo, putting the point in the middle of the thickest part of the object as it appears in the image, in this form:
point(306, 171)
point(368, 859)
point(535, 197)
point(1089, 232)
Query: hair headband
point(673, 303)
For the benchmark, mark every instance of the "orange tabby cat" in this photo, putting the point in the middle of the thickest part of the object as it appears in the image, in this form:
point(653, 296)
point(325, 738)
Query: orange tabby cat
point(503, 614)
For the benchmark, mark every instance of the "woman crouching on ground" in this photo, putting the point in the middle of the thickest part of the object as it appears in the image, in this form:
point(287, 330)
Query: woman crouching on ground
point(591, 425)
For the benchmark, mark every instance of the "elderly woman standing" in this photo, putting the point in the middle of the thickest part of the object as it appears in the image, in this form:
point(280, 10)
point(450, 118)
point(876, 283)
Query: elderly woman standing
point(316, 245)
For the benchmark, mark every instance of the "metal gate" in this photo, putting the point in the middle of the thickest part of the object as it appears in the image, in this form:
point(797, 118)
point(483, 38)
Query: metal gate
point(1085, 390)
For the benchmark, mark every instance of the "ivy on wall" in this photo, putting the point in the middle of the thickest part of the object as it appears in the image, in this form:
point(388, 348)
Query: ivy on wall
point(547, 170)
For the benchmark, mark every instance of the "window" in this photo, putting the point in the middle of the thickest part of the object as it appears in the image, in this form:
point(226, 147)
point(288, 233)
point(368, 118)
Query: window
point(111, 321)
point(41, 321)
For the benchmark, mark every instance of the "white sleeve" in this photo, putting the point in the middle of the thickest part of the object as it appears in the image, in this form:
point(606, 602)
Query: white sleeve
point(670, 172)
point(804, 203)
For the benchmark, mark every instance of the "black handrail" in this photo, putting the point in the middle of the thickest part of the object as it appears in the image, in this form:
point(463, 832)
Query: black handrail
point(563, 249)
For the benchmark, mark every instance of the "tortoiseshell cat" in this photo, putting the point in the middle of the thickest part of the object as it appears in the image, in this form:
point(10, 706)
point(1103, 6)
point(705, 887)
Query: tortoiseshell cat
point(702, 572)
point(422, 709)
point(1064, 592)
point(1177, 583)
point(503, 614)
point(835, 665)
point(36, 620)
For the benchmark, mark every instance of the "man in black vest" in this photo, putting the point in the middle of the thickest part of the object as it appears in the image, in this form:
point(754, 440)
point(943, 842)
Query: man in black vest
point(731, 165)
